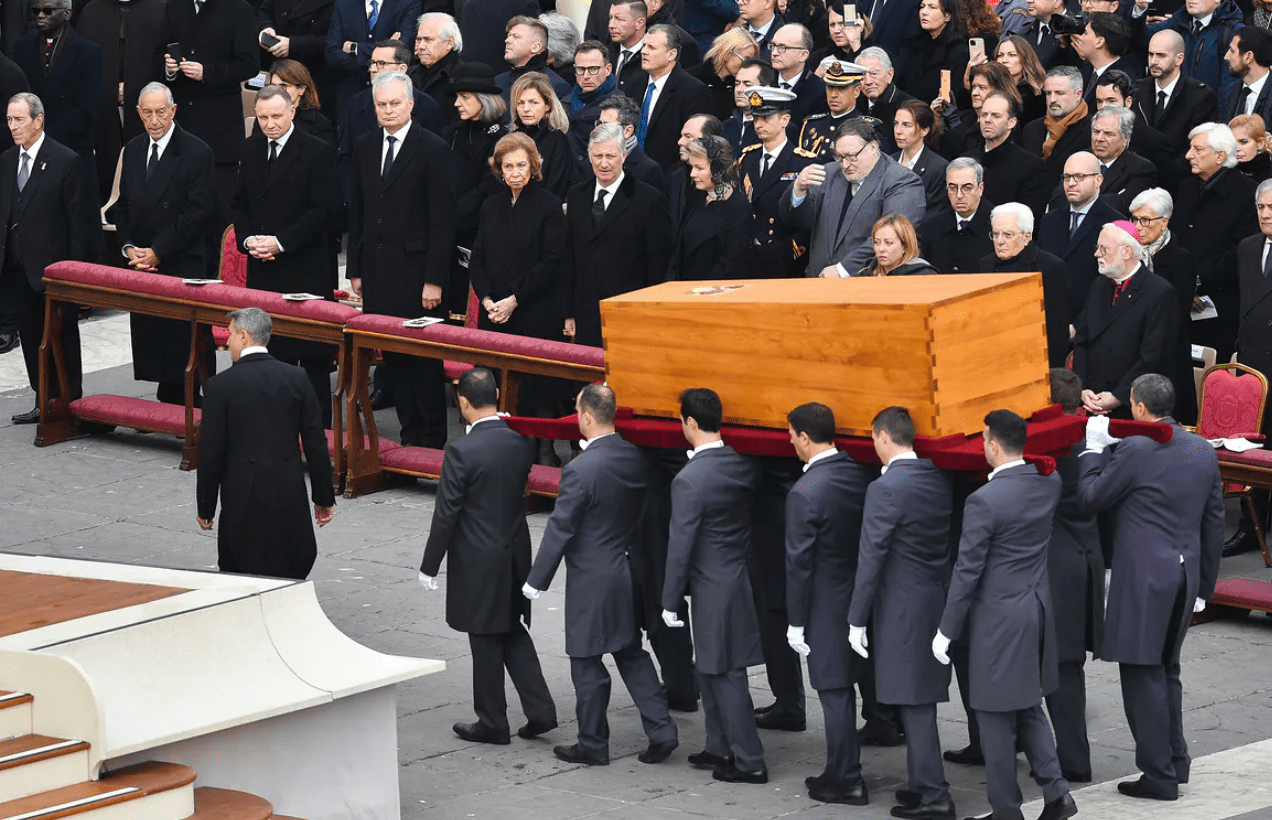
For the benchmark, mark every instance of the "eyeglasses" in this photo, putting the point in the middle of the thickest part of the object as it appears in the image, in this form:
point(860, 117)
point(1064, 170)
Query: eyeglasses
point(1077, 177)
point(588, 69)
point(779, 49)
point(1145, 220)
point(383, 64)
point(842, 158)
point(1007, 235)
point(964, 189)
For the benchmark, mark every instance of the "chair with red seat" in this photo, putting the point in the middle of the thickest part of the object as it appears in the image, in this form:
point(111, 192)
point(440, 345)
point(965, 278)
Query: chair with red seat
point(233, 271)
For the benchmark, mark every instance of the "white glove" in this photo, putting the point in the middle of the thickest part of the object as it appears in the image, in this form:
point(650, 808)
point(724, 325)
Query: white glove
point(530, 592)
point(858, 640)
point(429, 582)
point(795, 637)
point(1199, 606)
point(1097, 434)
point(941, 648)
point(670, 619)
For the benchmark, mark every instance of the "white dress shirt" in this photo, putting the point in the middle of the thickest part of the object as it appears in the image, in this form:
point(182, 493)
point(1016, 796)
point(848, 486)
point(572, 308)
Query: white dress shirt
point(400, 136)
point(252, 349)
point(1256, 88)
point(906, 456)
point(469, 428)
point(31, 153)
point(658, 85)
point(710, 445)
point(609, 191)
point(1017, 463)
point(823, 454)
point(587, 442)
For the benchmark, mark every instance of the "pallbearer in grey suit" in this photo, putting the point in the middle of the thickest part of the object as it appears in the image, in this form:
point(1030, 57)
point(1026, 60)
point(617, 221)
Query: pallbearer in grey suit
point(710, 530)
point(902, 575)
point(479, 526)
point(593, 527)
point(1167, 510)
point(823, 525)
point(1001, 600)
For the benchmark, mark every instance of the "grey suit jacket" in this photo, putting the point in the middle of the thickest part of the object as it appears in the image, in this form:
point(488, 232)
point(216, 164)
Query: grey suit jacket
point(479, 520)
point(999, 594)
point(902, 577)
point(593, 527)
point(706, 556)
point(888, 188)
point(823, 526)
point(1166, 503)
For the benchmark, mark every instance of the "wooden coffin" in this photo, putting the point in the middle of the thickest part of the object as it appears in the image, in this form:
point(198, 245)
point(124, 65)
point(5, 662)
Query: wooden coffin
point(950, 348)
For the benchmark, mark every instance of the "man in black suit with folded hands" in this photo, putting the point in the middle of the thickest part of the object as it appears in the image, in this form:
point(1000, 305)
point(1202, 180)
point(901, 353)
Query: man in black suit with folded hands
point(593, 527)
point(42, 190)
point(401, 239)
point(479, 526)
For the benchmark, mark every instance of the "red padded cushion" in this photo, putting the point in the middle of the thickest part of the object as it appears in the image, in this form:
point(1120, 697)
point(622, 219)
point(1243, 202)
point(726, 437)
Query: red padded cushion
point(1244, 593)
point(139, 414)
point(544, 480)
point(420, 460)
point(1257, 458)
point(318, 309)
point(233, 261)
point(220, 335)
point(386, 446)
point(1230, 405)
point(128, 279)
point(455, 369)
point(482, 340)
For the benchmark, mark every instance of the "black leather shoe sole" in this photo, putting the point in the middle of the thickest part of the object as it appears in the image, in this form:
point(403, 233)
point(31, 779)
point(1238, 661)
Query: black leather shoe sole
point(781, 722)
point(706, 760)
point(534, 728)
point(476, 733)
point(658, 752)
point(943, 810)
point(571, 754)
point(854, 794)
point(967, 756)
point(732, 774)
point(1141, 789)
point(30, 417)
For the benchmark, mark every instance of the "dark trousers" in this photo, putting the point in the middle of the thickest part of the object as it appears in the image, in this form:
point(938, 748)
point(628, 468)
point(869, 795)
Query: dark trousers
point(925, 773)
point(592, 692)
point(1153, 696)
point(843, 755)
point(1067, 708)
point(729, 716)
point(420, 399)
point(781, 663)
point(28, 309)
point(674, 650)
point(1001, 733)
point(318, 371)
point(515, 652)
point(959, 660)
point(882, 715)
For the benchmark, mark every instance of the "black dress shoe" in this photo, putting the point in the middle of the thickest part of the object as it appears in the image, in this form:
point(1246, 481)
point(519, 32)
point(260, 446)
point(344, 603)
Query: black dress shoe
point(8, 341)
point(681, 703)
point(764, 710)
point(908, 798)
point(534, 728)
point(781, 721)
point(1059, 809)
point(572, 754)
point(32, 416)
point(967, 756)
point(873, 734)
point(814, 779)
point(706, 760)
point(728, 773)
point(1142, 788)
point(480, 733)
point(841, 791)
point(940, 810)
point(1242, 541)
point(1077, 777)
point(658, 752)
point(380, 400)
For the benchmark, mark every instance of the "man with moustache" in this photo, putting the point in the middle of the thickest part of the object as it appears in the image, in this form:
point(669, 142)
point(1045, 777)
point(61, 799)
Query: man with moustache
point(1170, 100)
point(1249, 56)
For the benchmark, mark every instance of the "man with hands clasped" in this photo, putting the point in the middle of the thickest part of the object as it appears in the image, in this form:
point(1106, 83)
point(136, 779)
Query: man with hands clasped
point(999, 596)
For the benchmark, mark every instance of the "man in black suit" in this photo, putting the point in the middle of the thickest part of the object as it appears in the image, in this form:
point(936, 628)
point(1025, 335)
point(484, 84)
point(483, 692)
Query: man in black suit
point(902, 567)
point(791, 47)
point(42, 205)
point(479, 521)
point(627, 24)
point(1071, 233)
point(1040, 33)
point(594, 83)
point(623, 111)
point(737, 128)
point(711, 500)
point(1012, 174)
point(670, 97)
point(218, 52)
point(879, 97)
point(12, 81)
point(300, 26)
point(356, 27)
point(401, 238)
point(1102, 46)
point(766, 170)
point(1067, 113)
point(593, 527)
point(1169, 101)
point(482, 23)
point(1127, 327)
point(955, 238)
point(1000, 599)
point(284, 212)
point(439, 47)
point(526, 50)
point(1249, 56)
point(1126, 174)
point(1161, 494)
point(257, 416)
point(167, 196)
point(619, 237)
point(1115, 89)
point(762, 20)
point(823, 526)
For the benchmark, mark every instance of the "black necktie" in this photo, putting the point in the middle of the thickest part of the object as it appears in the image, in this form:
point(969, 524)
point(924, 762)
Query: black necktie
point(1242, 96)
point(598, 207)
point(154, 160)
point(622, 62)
point(843, 211)
point(1161, 107)
point(388, 158)
point(764, 164)
point(1104, 169)
point(1196, 27)
point(1267, 263)
point(273, 151)
point(1043, 31)
point(962, 225)
point(1075, 219)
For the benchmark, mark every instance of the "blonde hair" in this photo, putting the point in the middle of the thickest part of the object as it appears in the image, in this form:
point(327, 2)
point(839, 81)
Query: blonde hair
point(535, 81)
point(1253, 124)
point(731, 42)
point(905, 232)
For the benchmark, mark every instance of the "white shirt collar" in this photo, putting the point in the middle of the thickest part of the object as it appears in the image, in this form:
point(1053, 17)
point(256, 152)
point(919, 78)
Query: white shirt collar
point(635, 50)
point(34, 150)
point(763, 30)
point(469, 428)
point(163, 141)
point(1205, 21)
point(1256, 87)
point(1083, 210)
point(772, 155)
point(660, 82)
point(1169, 88)
point(1134, 271)
point(823, 454)
point(906, 456)
point(1108, 163)
point(1017, 463)
point(401, 132)
point(960, 219)
point(367, 7)
point(608, 189)
point(587, 442)
point(912, 162)
point(282, 141)
point(710, 445)
point(252, 349)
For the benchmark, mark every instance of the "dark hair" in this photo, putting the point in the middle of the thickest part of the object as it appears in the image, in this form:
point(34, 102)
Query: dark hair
point(1008, 429)
point(401, 51)
point(859, 127)
point(1117, 79)
point(768, 74)
point(271, 92)
point(593, 45)
point(638, 7)
point(1115, 31)
point(1013, 101)
point(999, 78)
point(598, 399)
point(711, 125)
point(896, 422)
point(924, 118)
point(295, 73)
point(703, 406)
point(1066, 389)
point(479, 388)
point(979, 18)
point(1155, 392)
point(957, 26)
point(672, 34)
point(1256, 40)
point(627, 108)
point(815, 419)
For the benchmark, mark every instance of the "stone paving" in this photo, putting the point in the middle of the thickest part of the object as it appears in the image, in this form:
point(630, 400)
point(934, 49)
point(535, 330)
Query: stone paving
point(120, 497)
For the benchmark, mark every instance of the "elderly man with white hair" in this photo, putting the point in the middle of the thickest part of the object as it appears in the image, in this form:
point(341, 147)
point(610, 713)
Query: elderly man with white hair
point(1128, 326)
point(438, 45)
point(1212, 216)
point(879, 95)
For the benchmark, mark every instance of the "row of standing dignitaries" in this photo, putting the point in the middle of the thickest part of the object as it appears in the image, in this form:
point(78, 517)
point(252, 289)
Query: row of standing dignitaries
point(870, 573)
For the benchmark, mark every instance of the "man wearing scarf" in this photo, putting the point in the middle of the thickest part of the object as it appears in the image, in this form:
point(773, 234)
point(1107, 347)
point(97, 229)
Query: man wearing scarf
point(594, 81)
point(1065, 129)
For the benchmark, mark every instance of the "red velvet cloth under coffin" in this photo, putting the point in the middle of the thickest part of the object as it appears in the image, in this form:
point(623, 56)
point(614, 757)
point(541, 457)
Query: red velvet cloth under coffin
point(482, 340)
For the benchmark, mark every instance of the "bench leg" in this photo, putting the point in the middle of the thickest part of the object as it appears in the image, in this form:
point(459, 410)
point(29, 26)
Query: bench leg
point(56, 420)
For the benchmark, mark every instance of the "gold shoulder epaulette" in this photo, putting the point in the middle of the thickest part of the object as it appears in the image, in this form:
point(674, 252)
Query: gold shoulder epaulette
point(804, 152)
point(753, 146)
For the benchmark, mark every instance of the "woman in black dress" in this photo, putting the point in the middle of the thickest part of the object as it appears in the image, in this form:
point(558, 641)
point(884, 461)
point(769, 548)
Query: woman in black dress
point(296, 80)
point(720, 66)
point(715, 235)
point(540, 116)
point(941, 44)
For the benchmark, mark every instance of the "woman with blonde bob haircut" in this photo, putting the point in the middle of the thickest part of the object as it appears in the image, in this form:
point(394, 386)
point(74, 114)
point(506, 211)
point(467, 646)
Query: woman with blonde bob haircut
point(1253, 145)
point(720, 67)
point(538, 114)
point(896, 248)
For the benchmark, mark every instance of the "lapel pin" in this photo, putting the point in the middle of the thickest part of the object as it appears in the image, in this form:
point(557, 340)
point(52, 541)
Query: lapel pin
point(43, 165)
